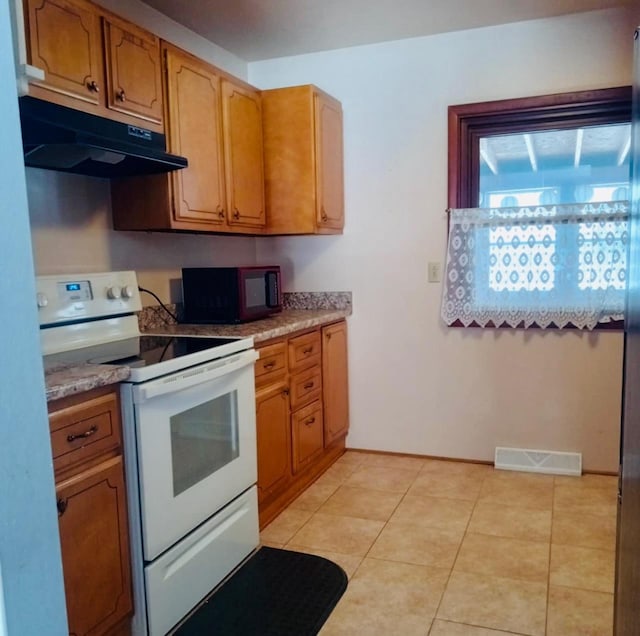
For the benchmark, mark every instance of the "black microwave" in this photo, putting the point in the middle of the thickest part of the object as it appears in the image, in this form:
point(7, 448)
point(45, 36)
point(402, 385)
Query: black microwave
point(230, 294)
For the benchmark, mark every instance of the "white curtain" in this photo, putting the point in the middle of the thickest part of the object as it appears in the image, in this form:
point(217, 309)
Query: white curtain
point(553, 265)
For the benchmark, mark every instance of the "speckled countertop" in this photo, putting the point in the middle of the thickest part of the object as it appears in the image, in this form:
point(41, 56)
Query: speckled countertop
point(64, 379)
point(282, 324)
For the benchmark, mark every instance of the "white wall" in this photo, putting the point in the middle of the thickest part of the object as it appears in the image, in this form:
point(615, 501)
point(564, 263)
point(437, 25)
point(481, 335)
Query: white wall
point(416, 386)
point(71, 215)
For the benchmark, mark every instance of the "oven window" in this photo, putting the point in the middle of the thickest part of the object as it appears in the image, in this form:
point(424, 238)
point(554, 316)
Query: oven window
point(203, 440)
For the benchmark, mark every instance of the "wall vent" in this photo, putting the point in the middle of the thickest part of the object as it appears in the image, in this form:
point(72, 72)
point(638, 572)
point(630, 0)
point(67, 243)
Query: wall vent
point(538, 461)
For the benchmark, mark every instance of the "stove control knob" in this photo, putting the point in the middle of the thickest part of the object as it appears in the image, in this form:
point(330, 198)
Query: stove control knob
point(127, 292)
point(42, 300)
point(113, 292)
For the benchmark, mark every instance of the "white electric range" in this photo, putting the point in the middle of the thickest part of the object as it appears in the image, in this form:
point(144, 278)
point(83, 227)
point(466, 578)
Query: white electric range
point(189, 430)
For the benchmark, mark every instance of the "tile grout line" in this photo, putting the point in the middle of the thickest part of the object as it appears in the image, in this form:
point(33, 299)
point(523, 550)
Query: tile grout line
point(464, 534)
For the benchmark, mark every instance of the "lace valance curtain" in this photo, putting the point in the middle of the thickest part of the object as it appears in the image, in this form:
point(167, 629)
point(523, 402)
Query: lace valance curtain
point(548, 265)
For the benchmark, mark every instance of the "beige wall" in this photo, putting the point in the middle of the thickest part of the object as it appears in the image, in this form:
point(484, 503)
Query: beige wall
point(416, 386)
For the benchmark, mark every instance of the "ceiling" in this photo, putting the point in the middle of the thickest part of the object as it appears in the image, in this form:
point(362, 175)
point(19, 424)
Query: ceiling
point(264, 29)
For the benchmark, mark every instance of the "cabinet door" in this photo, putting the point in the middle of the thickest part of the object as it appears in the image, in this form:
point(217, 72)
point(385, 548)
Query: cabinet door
point(64, 40)
point(95, 548)
point(194, 131)
point(274, 438)
point(242, 116)
point(307, 432)
point(329, 163)
point(134, 75)
point(335, 381)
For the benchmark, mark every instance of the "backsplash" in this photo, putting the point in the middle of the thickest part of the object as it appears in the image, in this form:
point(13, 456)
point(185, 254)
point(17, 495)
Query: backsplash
point(155, 316)
point(316, 300)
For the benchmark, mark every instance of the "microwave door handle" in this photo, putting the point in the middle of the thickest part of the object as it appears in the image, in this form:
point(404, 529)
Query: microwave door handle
point(192, 377)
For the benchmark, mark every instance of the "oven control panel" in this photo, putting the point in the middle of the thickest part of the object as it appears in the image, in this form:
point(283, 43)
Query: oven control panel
point(68, 297)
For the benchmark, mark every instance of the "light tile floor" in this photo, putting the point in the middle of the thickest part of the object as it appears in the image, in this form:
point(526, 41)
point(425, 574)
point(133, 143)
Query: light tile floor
point(454, 549)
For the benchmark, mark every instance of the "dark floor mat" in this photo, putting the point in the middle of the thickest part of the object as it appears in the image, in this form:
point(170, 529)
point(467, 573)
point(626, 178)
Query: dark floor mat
point(275, 593)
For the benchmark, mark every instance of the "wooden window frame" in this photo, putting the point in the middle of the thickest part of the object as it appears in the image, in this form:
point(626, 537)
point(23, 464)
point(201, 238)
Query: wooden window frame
point(560, 111)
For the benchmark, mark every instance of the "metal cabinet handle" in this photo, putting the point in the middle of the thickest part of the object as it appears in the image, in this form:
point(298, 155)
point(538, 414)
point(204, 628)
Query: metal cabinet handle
point(61, 505)
point(323, 214)
point(307, 351)
point(120, 95)
point(221, 214)
point(269, 365)
point(308, 385)
point(236, 213)
point(93, 86)
point(310, 421)
point(285, 391)
point(92, 431)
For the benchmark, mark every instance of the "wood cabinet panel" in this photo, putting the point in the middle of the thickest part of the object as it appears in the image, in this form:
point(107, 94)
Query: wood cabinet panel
point(274, 438)
point(306, 387)
point(335, 381)
point(83, 431)
point(243, 152)
point(64, 40)
point(134, 77)
point(304, 351)
point(329, 163)
point(304, 191)
point(272, 363)
point(195, 131)
point(95, 548)
point(307, 434)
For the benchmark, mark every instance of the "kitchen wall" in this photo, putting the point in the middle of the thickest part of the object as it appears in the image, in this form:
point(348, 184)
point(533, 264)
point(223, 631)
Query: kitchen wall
point(416, 386)
point(71, 215)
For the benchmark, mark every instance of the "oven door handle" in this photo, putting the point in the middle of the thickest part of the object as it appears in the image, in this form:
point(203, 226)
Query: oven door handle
point(192, 377)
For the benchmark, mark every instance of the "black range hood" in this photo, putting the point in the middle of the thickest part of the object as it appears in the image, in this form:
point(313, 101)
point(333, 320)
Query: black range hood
point(67, 140)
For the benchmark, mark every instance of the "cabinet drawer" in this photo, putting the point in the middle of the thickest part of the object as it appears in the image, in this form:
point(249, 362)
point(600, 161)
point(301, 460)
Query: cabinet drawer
point(82, 431)
point(308, 435)
point(304, 351)
point(272, 363)
point(306, 387)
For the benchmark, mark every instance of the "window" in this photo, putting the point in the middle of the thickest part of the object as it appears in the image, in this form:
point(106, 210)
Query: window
point(546, 151)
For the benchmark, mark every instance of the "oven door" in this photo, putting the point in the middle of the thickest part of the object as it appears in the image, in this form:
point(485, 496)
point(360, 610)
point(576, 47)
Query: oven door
point(196, 439)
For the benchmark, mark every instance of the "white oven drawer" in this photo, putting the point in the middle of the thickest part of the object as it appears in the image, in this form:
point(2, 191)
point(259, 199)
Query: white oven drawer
point(186, 573)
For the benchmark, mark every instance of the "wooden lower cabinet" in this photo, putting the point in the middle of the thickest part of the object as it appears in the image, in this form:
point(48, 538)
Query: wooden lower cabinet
point(92, 512)
point(294, 445)
point(274, 440)
point(336, 381)
point(307, 433)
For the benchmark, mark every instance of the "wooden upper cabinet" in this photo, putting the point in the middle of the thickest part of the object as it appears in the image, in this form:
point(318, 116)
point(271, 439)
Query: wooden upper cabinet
point(243, 153)
point(215, 122)
point(195, 131)
point(329, 163)
point(113, 71)
point(134, 76)
point(335, 381)
point(303, 161)
point(64, 40)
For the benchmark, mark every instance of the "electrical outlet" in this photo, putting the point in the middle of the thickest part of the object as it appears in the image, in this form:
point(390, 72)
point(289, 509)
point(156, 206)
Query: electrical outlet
point(434, 272)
